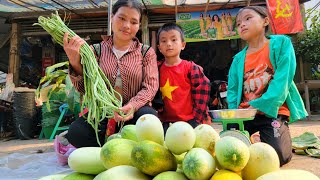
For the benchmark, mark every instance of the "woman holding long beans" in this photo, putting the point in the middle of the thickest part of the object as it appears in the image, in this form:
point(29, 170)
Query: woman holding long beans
point(133, 75)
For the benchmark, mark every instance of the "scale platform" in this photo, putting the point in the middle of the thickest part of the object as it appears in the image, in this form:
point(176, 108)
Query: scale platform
point(234, 117)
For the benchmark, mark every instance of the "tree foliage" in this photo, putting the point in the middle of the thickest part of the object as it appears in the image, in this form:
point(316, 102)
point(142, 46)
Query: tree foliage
point(308, 42)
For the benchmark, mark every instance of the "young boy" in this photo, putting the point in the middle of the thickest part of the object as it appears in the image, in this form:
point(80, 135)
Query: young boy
point(183, 85)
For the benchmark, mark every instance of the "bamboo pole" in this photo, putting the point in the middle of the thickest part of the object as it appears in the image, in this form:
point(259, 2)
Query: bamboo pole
point(176, 8)
point(206, 9)
point(14, 60)
point(145, 29)
point(109, 16)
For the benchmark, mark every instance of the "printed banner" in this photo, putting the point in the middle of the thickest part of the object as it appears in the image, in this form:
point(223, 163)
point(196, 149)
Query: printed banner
point(285, 15)
point(214, 25)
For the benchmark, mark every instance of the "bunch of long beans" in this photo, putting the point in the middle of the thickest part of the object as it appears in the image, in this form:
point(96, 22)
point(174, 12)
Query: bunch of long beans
point(100, 97)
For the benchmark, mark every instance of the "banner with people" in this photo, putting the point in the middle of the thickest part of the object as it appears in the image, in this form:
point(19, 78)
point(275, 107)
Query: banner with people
point(213, 25)
point(285, 15)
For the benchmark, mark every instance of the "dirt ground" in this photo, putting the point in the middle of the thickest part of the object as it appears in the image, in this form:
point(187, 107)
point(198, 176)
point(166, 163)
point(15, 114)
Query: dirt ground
point(298, 162)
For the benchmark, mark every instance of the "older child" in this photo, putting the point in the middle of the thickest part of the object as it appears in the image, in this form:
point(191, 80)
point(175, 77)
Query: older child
point(184, 87)
point(261, 77)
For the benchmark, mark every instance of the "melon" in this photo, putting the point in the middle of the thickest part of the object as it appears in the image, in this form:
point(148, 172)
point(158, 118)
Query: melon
point(149, 127)
point(225, 175)
point(292, 174)
point(263, 159)
point(114, 136)
point(180, 157)
point(151, 158)
point(217, 163)
point(180, 137)
point(232, 153)
point(117, 152)
point(79, 176)
point(86, 160)
point(170, 175)
point(198, 164)
point(129, 132)
point(54, 177)
point(206, 137)
point(124, 172)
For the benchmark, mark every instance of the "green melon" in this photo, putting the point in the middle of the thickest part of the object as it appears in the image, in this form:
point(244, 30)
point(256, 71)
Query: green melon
point(129, 132)
point(86, 160)
point(292, 174)
point(179, 158)
point(152, 158)
point(123, 172)
point(170, 175)
point(79, 176)
point(180, 137)
point(54, 177)
point(114, 136)
point(232, 153)
point(198, 164)
point(206, 138)
point(149, 127)
point(263, 159)
point(117, 152)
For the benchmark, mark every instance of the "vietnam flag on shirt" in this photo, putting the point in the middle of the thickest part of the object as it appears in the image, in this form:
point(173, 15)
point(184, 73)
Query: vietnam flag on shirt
point(285, 16)
point(175, 87)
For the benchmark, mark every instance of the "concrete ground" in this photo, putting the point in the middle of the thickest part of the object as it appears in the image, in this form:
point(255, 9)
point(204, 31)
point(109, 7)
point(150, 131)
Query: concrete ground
point(298, 162)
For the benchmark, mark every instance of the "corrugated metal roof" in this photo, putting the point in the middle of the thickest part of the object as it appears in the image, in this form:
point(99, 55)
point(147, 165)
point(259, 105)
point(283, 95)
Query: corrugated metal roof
point(50, 5)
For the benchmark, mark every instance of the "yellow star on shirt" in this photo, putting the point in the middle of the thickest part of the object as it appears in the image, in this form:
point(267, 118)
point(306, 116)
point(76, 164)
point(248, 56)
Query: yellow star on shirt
point(166, 90)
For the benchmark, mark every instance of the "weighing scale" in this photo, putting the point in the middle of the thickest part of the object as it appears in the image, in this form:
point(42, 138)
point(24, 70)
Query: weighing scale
point(231, 117)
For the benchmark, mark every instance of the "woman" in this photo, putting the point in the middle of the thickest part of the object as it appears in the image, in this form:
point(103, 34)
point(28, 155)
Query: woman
point(224, 25)
point(201, 24)
point(216, 24)
point(208, 21)
point(135, 77)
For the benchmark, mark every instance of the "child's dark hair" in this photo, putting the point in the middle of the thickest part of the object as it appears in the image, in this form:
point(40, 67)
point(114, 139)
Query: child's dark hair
point(262, 11)
point(127, 3)
point(170, 26)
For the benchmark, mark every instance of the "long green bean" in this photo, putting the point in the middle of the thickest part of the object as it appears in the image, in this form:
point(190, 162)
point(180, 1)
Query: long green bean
point(100, 97)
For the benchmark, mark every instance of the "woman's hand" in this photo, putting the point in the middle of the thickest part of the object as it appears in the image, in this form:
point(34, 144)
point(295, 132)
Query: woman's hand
point(127, 110)
point(72, 49)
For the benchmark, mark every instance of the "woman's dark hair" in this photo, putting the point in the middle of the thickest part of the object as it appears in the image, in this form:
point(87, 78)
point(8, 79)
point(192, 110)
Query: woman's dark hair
point(170, 26)
point(201, 15)
point(262, 11)
point(214, 16)
point(127, 3)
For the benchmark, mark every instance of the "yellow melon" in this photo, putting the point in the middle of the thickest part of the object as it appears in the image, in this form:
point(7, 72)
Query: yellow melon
point(263, 159)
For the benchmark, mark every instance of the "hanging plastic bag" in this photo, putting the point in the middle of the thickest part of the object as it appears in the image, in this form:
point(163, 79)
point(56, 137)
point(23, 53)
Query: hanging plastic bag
point(7, 92)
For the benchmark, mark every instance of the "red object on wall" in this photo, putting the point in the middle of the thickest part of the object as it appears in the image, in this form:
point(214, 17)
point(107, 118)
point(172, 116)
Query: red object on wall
point(46, 62)
point(285, 16)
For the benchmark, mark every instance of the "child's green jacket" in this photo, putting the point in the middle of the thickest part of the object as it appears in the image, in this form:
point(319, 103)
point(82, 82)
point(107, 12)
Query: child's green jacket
point(281, 88)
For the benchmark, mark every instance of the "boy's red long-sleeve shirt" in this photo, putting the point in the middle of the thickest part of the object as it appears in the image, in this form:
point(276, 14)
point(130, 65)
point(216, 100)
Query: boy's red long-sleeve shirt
point(185, 93)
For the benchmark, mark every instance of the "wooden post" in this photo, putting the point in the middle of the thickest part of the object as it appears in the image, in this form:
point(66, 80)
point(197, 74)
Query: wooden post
point(154, 40)
point(145, 29)
point(306, 95)
point(305, 85)
point(301, 69)
point(248, 2)
point(14, 59)
point(109, 16)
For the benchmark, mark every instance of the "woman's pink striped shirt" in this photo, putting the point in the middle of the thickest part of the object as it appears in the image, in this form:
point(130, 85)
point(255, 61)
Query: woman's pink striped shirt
point(140, 79)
